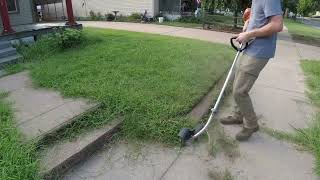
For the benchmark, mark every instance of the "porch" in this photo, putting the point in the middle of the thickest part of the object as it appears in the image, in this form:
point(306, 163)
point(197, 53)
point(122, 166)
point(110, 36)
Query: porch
point(27, 32)
point(10, 31)
point(35, 30)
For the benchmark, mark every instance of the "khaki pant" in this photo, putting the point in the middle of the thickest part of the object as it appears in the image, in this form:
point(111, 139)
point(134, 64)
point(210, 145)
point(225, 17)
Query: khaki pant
point(247, 71)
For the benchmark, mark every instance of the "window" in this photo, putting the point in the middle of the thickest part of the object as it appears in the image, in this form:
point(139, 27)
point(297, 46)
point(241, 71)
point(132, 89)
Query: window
point(12, 6)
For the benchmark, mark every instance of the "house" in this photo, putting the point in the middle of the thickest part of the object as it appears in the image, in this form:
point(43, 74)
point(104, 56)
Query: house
point(23, 12)
point(19, 11)
point(18, 21)
point(82, 8)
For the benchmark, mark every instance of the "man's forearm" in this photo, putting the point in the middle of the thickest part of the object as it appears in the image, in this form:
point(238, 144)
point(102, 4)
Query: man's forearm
point(245, 26)
point(275, 25)
point(272, 27)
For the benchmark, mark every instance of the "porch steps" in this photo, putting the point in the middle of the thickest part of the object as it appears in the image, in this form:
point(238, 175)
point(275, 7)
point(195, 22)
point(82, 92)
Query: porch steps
point(60, 157)
point(8, 54)
point(10, 59)
point(4, 44)
point(41, 114)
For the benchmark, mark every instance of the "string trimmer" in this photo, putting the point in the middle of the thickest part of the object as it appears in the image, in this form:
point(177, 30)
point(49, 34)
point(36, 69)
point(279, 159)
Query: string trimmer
point(187, 134)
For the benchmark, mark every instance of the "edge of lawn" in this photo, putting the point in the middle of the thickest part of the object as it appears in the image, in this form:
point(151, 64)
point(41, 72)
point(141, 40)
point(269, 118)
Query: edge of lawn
point(18, 160)
point(300, 36)
point(306, 138)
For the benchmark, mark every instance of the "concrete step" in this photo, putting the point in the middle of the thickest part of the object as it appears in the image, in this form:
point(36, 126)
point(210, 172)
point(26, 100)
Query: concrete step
point(2, 72)
point(5, 44)
point(6, 52)
point(58, 158)
point(40, 112)
point(10, 60)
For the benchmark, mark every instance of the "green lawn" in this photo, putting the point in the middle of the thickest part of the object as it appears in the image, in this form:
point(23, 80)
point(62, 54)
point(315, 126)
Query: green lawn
point(151, 80)
point(17, 160)
point(310, 137)
point(302, 32)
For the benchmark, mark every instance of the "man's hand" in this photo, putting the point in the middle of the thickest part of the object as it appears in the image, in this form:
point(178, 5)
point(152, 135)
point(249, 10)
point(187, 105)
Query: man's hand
point(243, 37)
point(274, 25)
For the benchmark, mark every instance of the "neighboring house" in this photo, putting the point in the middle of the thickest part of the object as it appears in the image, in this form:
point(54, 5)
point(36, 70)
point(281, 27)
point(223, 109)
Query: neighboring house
point(82, 8)
point(20, 12)
point(125, 7)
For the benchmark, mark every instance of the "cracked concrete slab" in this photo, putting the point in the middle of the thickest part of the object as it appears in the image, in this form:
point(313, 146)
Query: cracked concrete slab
point(308, 52)
point(58, 158)
point(39, 111)
point(262, 158)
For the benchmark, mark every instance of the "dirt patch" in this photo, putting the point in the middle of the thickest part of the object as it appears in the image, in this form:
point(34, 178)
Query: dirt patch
point(306, 40)
point(220, 175)
point(206, 102)
point(226, 29)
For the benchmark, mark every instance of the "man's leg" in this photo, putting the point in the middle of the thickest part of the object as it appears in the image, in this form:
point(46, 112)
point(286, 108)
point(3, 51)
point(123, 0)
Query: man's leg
point(246, 75)
point(236, 117)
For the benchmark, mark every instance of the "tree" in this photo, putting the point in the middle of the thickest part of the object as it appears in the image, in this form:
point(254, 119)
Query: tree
point(291, 5)
point(211, 5)
point(305, 7)
point(235, 5)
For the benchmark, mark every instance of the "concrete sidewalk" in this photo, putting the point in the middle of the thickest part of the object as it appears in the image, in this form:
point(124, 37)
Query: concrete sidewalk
point(279, 98)
point(204, 35)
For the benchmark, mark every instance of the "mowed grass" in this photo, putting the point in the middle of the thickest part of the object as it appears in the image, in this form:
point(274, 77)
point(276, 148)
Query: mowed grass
point(310, 137)
point(181, 24)
point(303, 33)
point(17, 160)
point(151, 80)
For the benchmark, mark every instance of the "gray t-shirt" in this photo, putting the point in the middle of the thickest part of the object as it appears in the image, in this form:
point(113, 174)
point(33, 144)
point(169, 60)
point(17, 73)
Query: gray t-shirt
point(261, 10)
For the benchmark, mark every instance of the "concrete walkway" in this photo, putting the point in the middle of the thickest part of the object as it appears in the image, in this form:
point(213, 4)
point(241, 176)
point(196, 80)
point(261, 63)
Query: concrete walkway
point(39, 112)
point(279, 98)
point(164, 30)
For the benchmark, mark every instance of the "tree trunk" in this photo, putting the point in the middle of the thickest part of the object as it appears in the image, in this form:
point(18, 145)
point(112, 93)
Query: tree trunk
point(235, 20)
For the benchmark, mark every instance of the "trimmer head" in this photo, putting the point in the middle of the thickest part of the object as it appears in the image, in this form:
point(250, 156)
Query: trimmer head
point(186, 134)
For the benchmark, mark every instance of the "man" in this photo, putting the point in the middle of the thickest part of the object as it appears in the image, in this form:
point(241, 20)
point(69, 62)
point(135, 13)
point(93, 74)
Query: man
point(265, 22)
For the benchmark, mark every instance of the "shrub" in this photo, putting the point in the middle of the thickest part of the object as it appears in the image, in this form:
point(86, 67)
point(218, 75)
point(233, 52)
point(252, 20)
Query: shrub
point(134, 17)
point(189, 19)
point(43, 48)
point(48, 45)
point(93, 15)
point(109, 17)
point(99, 16)
point(122, 18)
point(69, 38)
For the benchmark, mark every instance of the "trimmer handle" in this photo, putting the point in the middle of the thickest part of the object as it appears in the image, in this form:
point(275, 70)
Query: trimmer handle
point(242, 46)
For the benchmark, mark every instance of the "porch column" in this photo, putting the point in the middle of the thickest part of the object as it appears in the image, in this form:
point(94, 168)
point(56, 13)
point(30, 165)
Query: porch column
point(71, 20)
point(5, 17)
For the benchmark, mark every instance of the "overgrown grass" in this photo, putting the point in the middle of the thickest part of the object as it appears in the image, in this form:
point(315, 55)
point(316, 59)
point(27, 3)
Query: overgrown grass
point(151, 80)
point(312, 70)
point(220, 142)
point(17, 160)
point(303, 33)
point(311, 136)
